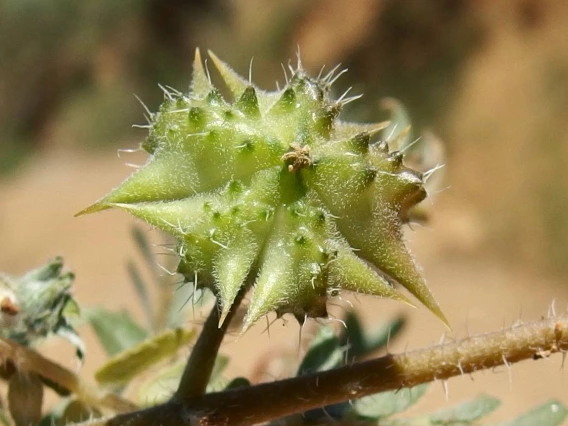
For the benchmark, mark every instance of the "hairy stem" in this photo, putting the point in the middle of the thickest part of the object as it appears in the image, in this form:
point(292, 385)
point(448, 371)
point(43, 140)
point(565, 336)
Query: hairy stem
point(274, 400)
point(27, 360)
point(201, 361)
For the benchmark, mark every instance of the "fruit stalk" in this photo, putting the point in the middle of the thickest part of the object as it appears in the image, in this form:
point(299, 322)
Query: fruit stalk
point(202, 358)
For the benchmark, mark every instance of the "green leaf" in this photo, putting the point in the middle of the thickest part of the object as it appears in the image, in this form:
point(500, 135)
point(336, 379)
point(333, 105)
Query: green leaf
point(55, 416)
point(68, 333)
point(362, 344)
point(116, 330)
point(216, 381)
point(122, 368)
point(220, 364)
point(71, 310)
point(466, 412)
point(69, 411)
point(238, 382)
point(47, 272)
point(78, 411)
point(386, 404)
point(324, 353)
point(145, 248)
point(551, 413)
point(381, 337)
point(184, 300)
point(48, 420)
point(162, 386)
point(142, 291)
point(353, 335)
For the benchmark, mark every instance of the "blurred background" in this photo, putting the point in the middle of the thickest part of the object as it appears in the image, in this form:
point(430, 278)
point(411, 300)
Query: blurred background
point(490, 78)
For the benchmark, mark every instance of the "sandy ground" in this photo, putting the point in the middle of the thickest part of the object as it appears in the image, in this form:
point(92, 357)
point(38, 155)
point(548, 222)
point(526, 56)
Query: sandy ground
point(477, 293)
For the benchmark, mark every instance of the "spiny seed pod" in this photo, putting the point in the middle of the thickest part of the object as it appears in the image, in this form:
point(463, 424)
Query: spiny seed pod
point(274, 190)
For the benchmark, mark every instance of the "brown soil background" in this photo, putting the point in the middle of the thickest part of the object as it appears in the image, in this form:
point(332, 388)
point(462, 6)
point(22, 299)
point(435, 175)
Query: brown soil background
point(494, 251)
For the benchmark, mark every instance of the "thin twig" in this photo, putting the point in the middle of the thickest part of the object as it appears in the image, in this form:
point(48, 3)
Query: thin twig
point(269, 401)
point(201, 361)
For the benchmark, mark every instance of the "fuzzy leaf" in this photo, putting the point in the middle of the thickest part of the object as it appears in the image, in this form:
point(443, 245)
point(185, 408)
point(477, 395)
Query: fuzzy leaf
point(69, 334)
point(185, 298)
point(238, 382)
point(116, 330)
point(141, 291)
point(126, 365)
point(551, 413)
point(144, 247)
point(216, 380)
point(78, 411)
point(55, 416)
point(466, 412)
point(161, 386)
point(323, 354)
point(385, 404)
point(362, 343)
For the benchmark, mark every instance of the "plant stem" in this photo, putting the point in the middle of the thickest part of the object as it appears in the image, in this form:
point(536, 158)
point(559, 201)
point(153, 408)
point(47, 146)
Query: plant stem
point(201, 361)
point(27, 360)
point(274, 400)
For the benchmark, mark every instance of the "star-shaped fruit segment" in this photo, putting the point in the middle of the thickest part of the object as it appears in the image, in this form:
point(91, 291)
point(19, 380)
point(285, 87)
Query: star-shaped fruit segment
point(272, 190)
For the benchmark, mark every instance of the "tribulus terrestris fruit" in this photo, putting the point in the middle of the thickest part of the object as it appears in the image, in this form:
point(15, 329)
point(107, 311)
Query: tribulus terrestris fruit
point(273, 190)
